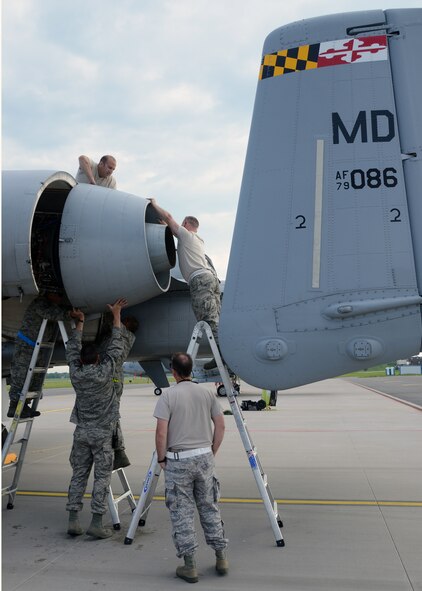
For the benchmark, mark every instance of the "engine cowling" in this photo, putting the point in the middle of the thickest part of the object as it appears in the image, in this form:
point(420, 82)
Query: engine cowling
point(91, 243)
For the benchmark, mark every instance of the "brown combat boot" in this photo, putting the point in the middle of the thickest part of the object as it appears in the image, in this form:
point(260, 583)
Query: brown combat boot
point(74, 528)
point(188, 572)
point(96, 528)
point(221, 564)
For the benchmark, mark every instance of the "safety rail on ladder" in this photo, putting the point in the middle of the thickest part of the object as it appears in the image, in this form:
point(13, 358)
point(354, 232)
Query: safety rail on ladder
point(151, 479)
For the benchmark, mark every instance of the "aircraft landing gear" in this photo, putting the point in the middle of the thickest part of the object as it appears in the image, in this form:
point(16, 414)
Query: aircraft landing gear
point(221, 390)
point(158, 391)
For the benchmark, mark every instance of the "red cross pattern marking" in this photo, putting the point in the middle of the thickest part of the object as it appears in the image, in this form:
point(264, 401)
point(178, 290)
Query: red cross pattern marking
point(347, 51)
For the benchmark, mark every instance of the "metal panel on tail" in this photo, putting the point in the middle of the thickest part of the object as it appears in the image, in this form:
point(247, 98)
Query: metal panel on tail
point(322, 276)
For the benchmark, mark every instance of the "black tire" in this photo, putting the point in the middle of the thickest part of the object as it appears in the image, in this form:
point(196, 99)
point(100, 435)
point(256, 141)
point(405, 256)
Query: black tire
point(221, 391)
point(158, 391)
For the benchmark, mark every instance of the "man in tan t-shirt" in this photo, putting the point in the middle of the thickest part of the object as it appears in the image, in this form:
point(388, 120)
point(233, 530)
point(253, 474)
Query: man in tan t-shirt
point(201, 277)
point(97, 174)
point(190, 430)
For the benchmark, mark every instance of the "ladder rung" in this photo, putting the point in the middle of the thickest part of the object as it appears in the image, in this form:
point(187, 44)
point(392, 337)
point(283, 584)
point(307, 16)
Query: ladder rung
point(47, 345)
point(128, 493)
point(40, 370)
point(10, 466)
point(26, 420)
point(21, 440)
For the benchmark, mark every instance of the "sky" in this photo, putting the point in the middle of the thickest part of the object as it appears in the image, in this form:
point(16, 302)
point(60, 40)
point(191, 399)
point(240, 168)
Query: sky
point(165, 86)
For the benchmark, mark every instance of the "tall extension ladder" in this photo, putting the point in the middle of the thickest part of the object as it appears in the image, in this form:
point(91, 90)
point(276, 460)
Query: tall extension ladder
point(33, 369)
point(150, 482)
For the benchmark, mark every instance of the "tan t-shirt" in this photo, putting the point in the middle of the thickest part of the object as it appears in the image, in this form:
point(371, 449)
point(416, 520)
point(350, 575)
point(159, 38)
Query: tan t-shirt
point(188, 407)
point(108, 181)
point(191, 253)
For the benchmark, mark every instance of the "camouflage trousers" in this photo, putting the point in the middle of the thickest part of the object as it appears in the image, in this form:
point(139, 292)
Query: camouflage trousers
point(19, 369)
point(118, 439)
point(91, 446)
point(206, 302)
point(191, 482)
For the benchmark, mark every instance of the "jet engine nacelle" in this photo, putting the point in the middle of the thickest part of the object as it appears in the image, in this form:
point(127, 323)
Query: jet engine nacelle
point(92, 243)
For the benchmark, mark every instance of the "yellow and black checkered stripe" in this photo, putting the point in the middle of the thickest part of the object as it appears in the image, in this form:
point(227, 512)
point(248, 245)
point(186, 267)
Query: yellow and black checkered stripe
point(289, 60)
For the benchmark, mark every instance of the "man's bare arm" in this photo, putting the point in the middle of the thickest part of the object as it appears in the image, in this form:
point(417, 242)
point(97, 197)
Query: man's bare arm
point(161, 440)
point(115, 310)
point(85, 165)
point(219, 428)
point(166, 217)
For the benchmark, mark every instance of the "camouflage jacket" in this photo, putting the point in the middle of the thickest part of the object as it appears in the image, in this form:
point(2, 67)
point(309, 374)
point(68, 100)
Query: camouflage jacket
point(37, 310)
point(96, 402)
point(128, 338)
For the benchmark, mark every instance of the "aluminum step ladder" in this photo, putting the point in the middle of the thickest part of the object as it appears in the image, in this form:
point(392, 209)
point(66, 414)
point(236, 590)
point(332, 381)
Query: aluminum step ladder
point(113, 501)
point(34, 368)
point(202, 329)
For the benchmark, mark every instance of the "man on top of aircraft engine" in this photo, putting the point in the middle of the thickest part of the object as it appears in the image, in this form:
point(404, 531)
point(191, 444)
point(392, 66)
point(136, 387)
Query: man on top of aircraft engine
point(200, 275)
point(97, 174)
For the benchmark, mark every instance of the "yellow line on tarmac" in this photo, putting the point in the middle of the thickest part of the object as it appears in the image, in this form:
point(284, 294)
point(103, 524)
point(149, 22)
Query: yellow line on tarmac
point(28, 493)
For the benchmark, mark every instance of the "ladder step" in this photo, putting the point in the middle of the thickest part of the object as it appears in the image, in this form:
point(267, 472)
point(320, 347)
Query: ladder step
point(39, 370)
point(47, 345)
point(10, 465)
point(21, 440)
point(128, 493)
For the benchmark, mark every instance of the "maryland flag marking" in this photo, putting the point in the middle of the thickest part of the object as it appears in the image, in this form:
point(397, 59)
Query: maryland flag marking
point(321, 55)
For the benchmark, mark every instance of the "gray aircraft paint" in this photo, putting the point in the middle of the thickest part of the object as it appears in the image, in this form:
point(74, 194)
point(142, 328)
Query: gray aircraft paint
point(322, 276)
point(325, 271)
point(95, 244)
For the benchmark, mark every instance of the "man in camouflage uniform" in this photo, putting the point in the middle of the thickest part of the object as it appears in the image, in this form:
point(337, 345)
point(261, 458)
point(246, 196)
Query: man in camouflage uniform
point(186, 444)
point(47, 306)
point(128, 328)
point(197, 271)
point(95, 414)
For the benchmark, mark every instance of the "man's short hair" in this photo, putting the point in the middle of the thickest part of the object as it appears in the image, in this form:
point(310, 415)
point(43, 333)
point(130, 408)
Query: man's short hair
point(182, 364)
point(89, 354)
point(131, 323)
point(104, 159)
point(192, 221)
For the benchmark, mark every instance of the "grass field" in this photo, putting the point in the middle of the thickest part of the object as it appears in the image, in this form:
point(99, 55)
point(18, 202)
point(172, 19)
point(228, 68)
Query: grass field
point(65, 382)
point(376, 372)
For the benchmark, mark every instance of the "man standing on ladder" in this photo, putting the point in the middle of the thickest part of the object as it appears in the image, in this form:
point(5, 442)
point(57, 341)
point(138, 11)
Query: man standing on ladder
point(186, 444)
point(95, 414)
point(49, 306)
point(201, 277)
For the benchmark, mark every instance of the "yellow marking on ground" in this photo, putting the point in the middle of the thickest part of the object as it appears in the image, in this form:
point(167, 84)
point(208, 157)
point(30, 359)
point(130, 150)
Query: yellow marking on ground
point(28, 493)
point(45, 412)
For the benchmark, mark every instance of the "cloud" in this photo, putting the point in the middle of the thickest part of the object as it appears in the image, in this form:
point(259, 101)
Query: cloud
point(168, 87)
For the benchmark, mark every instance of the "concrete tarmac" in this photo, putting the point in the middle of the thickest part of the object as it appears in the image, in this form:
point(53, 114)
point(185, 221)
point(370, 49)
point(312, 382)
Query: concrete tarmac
point(342, 461)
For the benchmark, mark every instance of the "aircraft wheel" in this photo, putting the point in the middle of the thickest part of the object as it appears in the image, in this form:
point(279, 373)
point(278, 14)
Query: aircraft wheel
point(221, 390)
point(236, 387)
point(158, 391)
